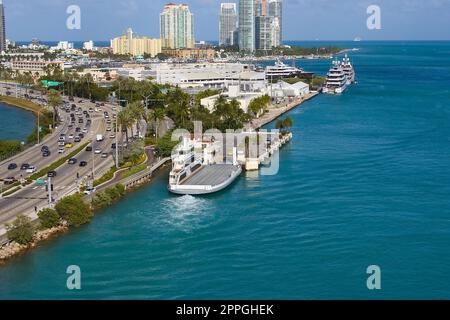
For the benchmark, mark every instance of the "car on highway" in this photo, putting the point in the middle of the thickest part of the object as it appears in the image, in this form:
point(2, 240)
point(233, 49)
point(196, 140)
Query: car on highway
point(77, 130)
point(89, 149)
point(83, 163)
point(89, 191)
point(12, 166)
point(24, 166)
point(44, 148)
point(31, 169)
point(77, 139)
point(61, 150)
point(9, 180)
point(46, 154)
point(85, 130)
point(69, 145)
point(72, 161)
point(112, 136)
point(108, 129)
point(98, 151)
point(52, 174)
point(113, 146)
point(105, 155)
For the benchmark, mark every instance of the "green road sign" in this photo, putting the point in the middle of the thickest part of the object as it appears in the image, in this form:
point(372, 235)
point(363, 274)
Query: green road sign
point(41, 182)
point(47, 83)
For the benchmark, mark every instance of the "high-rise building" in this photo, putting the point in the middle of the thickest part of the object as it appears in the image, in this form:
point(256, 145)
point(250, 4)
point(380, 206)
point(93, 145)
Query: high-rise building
point(177, 27)
point(247, 25)
point(2, 28)
point(260, 8)
point(228, 24)
point(275, 11)
point(263, 33)
point(136, 46)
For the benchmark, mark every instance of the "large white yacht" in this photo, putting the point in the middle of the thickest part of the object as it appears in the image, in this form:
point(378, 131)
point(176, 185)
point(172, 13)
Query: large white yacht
point(282, 70)
point(337, 80)
point(348, 70)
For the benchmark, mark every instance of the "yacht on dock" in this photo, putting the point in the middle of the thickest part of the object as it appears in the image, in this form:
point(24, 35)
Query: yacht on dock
point(337, 80)
point(201, 173)
point(348, 70)
point(281, 70)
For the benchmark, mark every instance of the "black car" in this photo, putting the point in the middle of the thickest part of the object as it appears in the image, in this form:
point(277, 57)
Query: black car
point(89, 149)
point(78, 129)
point(83, 163)
point(46, 154)
point(44, 148)
point(12, 166)
point(72, 161)
point(24, 166)
point(113, 146)
point(51, 174)
point(77, 139)
point(81, 136)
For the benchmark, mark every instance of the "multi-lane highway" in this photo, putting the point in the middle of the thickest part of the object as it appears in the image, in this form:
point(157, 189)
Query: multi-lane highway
point(68, 176)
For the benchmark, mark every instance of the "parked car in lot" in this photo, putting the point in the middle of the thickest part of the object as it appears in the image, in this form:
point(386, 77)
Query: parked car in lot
point(70, 137)
point(31, 169)
point(72, 161)
point(69, 145)
point(77, 139)
point(61, 144)
point(61, 150)
point(12, 166)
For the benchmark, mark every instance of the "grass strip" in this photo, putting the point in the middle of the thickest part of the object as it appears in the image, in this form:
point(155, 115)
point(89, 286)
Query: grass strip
point(57, 164)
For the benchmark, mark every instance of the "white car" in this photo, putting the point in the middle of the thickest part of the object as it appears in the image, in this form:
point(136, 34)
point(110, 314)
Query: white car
point(31, 169)
point(61, 143)
point(85, 130)
point(70, 136)
point(61, 150)
point(89, 191)
point(98, 151)
point(112, 135)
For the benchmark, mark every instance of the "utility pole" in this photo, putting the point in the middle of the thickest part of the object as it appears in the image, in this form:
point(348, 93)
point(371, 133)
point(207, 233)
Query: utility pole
point(38, 129)
point(117, 143)
point(50, 200)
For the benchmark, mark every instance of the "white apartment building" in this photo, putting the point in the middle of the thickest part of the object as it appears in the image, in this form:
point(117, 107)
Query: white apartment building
point(177, 27)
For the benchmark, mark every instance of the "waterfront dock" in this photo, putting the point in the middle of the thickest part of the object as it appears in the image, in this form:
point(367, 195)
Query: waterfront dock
point(276, 111)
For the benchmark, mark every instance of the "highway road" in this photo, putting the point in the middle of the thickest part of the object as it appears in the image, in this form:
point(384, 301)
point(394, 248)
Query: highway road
point(68, 176)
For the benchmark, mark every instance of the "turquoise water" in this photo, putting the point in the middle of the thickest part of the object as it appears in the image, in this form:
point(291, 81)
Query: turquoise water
point(366, 181)
point(15, 123)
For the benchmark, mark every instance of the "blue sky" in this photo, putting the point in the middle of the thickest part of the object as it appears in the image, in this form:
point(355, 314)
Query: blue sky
point(303, 19)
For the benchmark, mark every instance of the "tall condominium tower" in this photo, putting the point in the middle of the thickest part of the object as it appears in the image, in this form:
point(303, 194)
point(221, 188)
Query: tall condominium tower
point(263, 37)
point(177, 27)
point(2, 28)
point(276, 12)
point(247, 25)
point(228, 24)
point(260, 8)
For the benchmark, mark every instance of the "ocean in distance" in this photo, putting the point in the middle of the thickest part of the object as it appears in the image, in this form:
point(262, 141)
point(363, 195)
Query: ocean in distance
point(365, 181)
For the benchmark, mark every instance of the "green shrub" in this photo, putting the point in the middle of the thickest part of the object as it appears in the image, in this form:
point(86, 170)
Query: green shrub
point(21, 230)
point(74, 210)
point(49, 218)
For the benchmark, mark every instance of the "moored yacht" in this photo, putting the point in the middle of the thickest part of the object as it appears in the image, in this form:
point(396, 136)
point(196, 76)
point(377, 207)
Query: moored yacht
point(348, 70)
point(281, 70)
point(337, 80)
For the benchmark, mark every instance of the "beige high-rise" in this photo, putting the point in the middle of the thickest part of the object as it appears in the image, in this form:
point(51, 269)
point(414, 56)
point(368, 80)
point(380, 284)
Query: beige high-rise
point(136, 46)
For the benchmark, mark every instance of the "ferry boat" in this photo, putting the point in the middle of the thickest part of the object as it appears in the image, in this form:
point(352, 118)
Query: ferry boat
point(337, 80)
point(348, 70)
point(197, 174)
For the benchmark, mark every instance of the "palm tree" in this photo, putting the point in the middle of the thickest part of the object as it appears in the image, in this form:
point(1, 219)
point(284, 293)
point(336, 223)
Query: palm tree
point(157, 116)
point(124, 120)
point(54, 100)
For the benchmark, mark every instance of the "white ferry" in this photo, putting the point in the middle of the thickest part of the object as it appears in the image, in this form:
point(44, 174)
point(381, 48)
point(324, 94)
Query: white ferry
point(337, 80)
point(201, 173)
